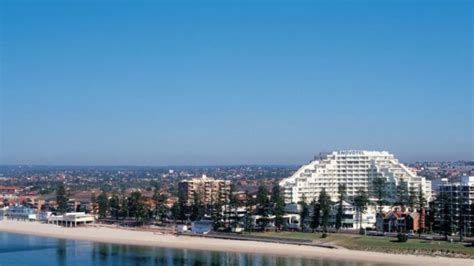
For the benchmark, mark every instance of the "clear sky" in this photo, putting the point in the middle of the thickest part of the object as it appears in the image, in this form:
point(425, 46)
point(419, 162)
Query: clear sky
point(176, 82)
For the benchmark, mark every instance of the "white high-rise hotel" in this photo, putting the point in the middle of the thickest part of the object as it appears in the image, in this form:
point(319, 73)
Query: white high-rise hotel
point(356, 169)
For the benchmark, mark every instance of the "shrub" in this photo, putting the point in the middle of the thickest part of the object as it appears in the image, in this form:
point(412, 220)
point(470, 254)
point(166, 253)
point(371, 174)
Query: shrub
point(324, 235)
point(402, 237)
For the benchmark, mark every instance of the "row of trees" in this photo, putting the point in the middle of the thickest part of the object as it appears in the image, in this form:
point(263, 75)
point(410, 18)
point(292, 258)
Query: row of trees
point(270, 204)
point(121, 207)
point(404, 196)
point(118, 206)
point(224, 214)
point(321, 206)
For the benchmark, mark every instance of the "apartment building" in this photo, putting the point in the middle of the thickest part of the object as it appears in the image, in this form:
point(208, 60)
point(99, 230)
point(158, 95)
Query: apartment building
point(454, 207)
point(357, 169)
point(205, 189)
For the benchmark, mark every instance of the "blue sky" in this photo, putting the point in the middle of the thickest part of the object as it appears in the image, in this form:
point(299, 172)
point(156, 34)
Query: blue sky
point(172, 83)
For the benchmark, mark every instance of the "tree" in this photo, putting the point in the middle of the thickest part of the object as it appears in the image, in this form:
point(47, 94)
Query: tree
point(156, 185)
point(275, 192)
point(361, 200)
point(431, 214)
point(316, 215)
point(262, 195)
point(421, 200)
point(197, 208)
point(137, 206)
point(160, 208)
point(114, 205)
point(445, 202)
point(249, 202)
point(225, 210)
point(379, 185)
point(103, 202)
point(182, 210)
point(176, 211)
point(463, 222)
point(412, 197)
point(278, 205)
point(262, 200)
point(325, 205)
point(304, 211)
point(340, 211)
point(61, 198)
point(233, 200)
point(216, 215)
point(421, 203)
point(124, 208)
point(234, 203)
point(403, 195)
point(93, 203)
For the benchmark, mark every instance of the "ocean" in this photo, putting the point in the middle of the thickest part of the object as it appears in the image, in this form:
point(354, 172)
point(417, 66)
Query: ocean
point(17, 250)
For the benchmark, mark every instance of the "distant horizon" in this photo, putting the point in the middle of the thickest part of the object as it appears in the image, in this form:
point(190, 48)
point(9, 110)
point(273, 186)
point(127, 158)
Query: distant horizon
point(234, 83)
point(200, 165)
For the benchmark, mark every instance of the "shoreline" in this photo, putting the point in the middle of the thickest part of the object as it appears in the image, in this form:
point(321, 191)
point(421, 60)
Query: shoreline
point(150, 239)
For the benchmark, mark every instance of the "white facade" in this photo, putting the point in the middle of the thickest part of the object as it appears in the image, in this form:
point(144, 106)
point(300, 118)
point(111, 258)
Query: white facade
point(354, 168)
point(71, 219)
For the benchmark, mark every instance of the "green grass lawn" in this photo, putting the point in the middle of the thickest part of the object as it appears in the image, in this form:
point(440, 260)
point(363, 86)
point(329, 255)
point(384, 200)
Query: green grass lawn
point(382, 244)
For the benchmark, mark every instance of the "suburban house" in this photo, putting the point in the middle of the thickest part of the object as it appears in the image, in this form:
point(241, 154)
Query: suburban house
point(398, 221)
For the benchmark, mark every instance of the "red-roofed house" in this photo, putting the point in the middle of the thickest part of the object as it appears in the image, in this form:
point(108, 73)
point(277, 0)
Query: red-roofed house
point(9, 191)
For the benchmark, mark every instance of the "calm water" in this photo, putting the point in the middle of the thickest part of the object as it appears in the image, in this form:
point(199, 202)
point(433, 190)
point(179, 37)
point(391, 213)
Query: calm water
point(31, 250)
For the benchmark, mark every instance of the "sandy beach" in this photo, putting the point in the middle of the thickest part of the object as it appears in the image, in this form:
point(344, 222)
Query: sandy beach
point(131, 237)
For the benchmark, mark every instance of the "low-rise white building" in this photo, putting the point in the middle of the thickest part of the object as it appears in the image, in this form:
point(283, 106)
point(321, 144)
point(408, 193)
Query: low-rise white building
point(71, 219)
